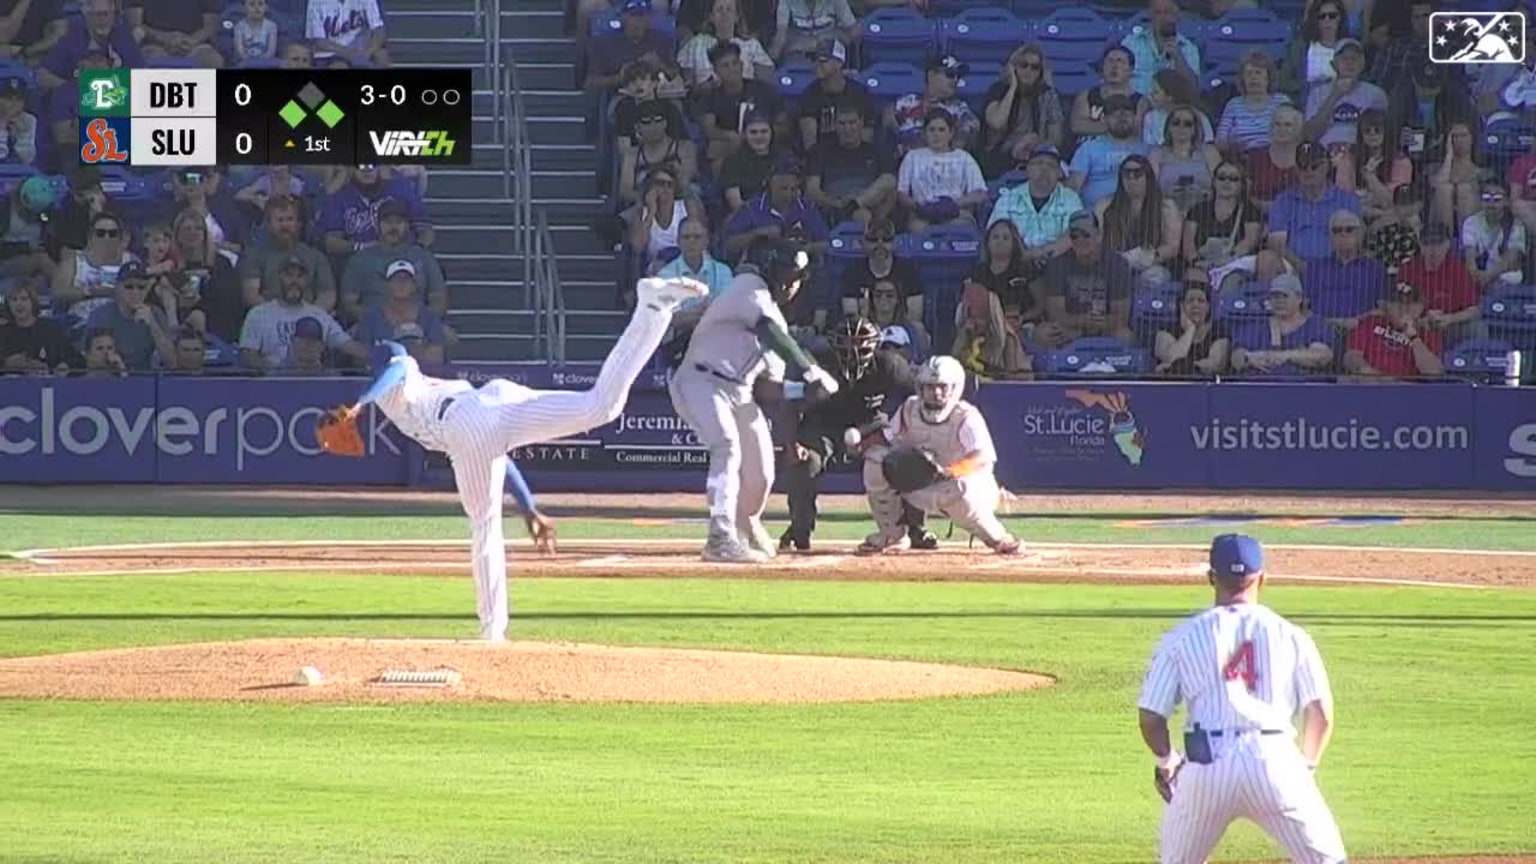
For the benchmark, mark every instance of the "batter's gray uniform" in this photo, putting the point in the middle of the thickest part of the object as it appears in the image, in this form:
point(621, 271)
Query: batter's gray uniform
point(712, 392)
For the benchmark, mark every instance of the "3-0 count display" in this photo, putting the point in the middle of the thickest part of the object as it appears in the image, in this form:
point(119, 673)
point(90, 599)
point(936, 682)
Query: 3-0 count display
point(344, 116)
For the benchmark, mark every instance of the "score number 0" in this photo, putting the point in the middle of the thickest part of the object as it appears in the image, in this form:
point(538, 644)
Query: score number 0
point(243, 143)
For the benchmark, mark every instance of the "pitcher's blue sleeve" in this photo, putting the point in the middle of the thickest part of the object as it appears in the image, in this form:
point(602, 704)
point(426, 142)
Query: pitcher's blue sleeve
point(519, 487)
point(391, 377)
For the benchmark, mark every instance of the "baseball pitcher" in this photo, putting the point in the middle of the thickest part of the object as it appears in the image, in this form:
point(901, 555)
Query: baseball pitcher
point(937, 456)
point(476, 428)
point(870, 377)
point(739, 353)
point(1244, 673)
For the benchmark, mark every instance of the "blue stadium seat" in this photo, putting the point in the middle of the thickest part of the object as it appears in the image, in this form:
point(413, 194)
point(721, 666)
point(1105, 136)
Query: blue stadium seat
point(973, 87)
point(1510, 311)
point(1085, 357)
point(1073, 36)
point(983, 35)
point(944, 256)
point(1029, 10)
point(1190, 26)
point(1153, 309)
point(845, 245)
point(1072, 80)
point(609, 22)
point(794, 77)
point(1479, 359)
point(12, 173)
point(891, 81)
point(1242, 31)
point(896, 35)
point(1506, 140)
point(219, 354)
point(1249, 303)
point(25, 73)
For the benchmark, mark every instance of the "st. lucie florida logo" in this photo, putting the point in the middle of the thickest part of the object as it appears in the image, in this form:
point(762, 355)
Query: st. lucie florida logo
point(1122, 423)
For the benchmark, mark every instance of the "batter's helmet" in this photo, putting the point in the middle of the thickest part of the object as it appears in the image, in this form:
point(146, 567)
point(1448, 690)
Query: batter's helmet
point(854, 340)
point(781, 264)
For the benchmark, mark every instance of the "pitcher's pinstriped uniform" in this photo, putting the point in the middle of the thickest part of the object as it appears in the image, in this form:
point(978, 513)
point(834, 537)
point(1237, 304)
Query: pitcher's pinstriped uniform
point(476, 427)
point(1245, 673)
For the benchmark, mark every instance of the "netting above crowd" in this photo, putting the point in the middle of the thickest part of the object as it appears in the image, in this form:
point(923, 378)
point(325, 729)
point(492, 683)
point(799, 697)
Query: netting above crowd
point(113, 270)
point(1214, 189)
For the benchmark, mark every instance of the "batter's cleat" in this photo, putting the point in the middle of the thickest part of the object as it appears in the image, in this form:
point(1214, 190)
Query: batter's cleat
point(923, 539)
point(664, 295)
point(757, 538)
point(880, 544)
point(1008, 546)
point(790, 540)
point(725, 549)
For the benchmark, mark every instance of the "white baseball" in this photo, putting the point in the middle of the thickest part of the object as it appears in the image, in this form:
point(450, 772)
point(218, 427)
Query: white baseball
point(309, 676)
point(851, 438)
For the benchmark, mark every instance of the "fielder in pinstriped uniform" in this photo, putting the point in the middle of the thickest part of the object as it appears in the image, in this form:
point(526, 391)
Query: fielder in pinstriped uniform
point(1244, 672)
point(476, 428)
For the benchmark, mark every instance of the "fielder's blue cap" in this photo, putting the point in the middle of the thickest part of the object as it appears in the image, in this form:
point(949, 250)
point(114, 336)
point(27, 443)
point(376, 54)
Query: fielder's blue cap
point(1236, 557)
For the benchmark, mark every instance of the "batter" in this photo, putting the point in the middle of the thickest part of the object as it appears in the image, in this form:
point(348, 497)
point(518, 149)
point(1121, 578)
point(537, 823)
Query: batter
point(955, 434)
point(1244, 672)
point(476, 427)
point(742, 337)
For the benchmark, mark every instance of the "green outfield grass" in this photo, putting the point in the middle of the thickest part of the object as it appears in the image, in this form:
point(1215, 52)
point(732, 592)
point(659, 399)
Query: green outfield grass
point(1433, 751)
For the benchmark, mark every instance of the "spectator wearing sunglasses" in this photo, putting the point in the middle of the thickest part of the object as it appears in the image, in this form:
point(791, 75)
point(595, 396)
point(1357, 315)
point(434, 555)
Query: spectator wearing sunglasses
point(831, 90)
point(85, 279)
point(1039, 208)
point(908, 116)
point(1023, 112)
point(1347, 284)
point(881, 264)
point(1087, 288)
point(1493, 240)
point(1226, 227)
point(1298, 219)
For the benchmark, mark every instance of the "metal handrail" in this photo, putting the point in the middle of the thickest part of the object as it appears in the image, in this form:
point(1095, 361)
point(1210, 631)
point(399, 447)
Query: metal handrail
point(553, 292)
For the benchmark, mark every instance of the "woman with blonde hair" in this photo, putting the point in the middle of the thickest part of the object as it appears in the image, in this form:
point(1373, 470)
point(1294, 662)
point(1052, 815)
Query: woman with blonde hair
point(1023, 112)
point(1244, 123)
point(983, 343)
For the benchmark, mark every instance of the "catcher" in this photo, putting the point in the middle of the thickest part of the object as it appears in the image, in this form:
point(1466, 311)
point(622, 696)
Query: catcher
point(936, 455)
point(870, 377)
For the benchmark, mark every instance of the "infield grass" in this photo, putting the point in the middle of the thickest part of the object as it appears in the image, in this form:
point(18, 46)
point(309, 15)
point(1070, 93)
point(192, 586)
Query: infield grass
point(1433, 752)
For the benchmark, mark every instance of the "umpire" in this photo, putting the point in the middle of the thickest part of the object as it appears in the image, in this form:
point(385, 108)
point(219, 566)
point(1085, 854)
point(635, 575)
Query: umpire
point(871, 377)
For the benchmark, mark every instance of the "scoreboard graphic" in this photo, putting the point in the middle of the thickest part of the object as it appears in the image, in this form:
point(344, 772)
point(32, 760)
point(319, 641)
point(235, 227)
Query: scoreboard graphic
point(196, 117)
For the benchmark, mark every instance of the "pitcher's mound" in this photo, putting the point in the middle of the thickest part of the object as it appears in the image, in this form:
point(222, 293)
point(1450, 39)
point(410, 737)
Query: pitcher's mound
point(355, 670)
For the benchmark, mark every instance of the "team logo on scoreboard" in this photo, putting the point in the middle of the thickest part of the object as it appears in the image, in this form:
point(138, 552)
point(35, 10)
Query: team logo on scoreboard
point(104, 141)
point(430, 143)
point(1477, 37)
point(104, 93)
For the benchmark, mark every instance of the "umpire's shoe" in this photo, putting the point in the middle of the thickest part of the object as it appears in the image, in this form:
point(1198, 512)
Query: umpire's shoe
point(922, 538)
point(791, 540)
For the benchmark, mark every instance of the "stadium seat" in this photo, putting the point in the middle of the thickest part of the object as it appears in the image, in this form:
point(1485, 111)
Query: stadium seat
point(25, 73)
point(1479, 359)
point(794, 77)
point(1189, 26)
point(609, 22)
point(12, 173)
point(1029, 10)
point(896, 35)
point(1241, 31)
point(845, 244)
point(1072, 80)
point(1094, 355)
point(983, 35)
point(1249, 303)
point(1505, 140)
point(1153, 309)
point(974, 86)
point(1510, 311)
point(944, 256)
point(1072, 36)
point(891, 81)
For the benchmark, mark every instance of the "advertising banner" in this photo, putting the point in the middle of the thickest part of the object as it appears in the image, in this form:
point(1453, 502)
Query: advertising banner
point(79, 430)
point(1319, 436)
point(1506, 439)
point(1095, 435)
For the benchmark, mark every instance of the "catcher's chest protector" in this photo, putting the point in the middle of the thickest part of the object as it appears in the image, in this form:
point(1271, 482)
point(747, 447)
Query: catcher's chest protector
point(940, 439)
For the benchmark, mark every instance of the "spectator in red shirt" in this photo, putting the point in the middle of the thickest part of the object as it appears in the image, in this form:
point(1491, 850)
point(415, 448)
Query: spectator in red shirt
point(1522, 187)
point(1451, 299)
point(1390, 344)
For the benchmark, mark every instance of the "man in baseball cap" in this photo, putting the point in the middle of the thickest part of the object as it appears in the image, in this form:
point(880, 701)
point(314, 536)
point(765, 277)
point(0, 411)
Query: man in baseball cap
point(1237, 563)
point(1096, 162)
point(908, 115)
point(1298, 219)
point(1334, 109)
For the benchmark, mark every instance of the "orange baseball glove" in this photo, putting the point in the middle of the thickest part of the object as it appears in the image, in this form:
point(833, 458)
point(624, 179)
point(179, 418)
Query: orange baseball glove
point(336, 431)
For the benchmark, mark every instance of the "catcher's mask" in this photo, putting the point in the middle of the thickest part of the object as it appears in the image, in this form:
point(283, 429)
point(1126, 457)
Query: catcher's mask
point(781, 264)
point(940, 383)
point(854, 340)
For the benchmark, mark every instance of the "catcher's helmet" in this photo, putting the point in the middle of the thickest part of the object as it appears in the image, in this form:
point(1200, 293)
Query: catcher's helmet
point(940, 384)
point(781, 264)
point(854, 340)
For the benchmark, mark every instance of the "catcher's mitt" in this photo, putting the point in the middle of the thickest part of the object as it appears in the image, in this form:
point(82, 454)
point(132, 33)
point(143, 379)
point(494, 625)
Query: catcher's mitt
point(909, 469)
point(336, 431)
point(542, 529)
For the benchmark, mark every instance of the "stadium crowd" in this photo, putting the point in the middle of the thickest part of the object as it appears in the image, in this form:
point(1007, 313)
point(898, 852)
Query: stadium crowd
point(111, 271)
point(1213, 189)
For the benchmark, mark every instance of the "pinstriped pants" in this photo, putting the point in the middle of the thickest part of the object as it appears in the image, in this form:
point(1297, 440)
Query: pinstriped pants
point(1261, 778)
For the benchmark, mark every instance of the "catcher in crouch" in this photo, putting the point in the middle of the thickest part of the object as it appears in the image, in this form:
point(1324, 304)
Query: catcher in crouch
point(871, 377)
point(937, 456)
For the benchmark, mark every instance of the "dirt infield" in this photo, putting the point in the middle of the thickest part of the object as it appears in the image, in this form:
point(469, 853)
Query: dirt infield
point(510, 672)
point(673, 559)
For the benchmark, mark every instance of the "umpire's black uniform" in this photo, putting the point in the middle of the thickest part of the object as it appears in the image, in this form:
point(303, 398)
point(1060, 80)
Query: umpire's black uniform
point(861, 401)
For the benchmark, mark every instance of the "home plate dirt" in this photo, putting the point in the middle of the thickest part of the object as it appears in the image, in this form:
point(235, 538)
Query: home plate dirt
point(513, 672)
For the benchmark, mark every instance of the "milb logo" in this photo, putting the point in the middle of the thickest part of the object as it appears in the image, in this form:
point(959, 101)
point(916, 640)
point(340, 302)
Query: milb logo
point(428, 143)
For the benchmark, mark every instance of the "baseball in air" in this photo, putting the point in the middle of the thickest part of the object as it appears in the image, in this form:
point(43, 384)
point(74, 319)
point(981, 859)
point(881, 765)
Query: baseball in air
point(851, 438)
point(309, 676)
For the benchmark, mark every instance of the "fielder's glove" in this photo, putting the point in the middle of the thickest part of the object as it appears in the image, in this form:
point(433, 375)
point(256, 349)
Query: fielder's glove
point(542, 529)
point(1163, 776)
point(336, 432)
point(909, 469)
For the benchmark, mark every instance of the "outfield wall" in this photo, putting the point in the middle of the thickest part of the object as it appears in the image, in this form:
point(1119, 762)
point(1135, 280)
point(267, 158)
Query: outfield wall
point(1089, 435)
